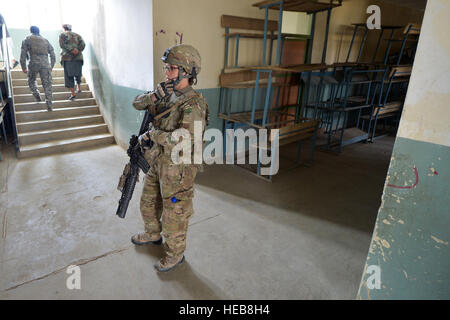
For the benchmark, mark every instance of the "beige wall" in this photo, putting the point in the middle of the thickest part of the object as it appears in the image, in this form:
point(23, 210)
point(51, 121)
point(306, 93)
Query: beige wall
point(351, 11)
point(426, 114)
point(341, 31)
point(199, 22)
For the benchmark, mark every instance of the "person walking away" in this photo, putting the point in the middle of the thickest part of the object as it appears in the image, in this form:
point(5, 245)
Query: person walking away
point(37, 50)
point(72, 45)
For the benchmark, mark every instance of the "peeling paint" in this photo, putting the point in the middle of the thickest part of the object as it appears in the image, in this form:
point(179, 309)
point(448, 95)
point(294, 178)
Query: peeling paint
point(385, 244)
point(439, 240)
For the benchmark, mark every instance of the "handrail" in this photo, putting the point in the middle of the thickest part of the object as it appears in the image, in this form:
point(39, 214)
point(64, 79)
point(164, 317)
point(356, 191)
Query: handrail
point(6, 59)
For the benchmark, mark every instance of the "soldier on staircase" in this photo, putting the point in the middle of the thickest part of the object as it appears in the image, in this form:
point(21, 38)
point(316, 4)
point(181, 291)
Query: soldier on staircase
point(37, 49)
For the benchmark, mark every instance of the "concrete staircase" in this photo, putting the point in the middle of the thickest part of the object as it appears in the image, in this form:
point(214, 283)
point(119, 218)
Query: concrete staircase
point(72, 125)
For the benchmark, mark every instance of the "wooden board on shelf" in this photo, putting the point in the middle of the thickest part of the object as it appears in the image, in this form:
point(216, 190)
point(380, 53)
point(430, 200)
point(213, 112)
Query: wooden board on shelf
point(308, 6)
point(293, 68)
point(415, 28)
point(235, 22)
point(250, 35)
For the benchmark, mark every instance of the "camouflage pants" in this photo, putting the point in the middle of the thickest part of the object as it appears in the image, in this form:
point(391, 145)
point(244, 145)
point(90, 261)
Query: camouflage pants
point(46, 79)
point(161, 213)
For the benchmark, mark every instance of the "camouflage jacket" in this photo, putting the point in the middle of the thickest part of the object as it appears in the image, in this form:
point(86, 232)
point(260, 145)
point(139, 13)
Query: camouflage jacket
point(68, 41)
point(37, 49)
point(189, 106)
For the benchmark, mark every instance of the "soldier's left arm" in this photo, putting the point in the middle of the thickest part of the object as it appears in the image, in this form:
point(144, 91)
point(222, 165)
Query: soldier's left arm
point(23, 55)
point(51, 52)
point(191, 113)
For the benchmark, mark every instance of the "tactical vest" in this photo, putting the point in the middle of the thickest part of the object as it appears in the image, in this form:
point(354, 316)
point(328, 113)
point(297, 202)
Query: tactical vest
point(170, 119)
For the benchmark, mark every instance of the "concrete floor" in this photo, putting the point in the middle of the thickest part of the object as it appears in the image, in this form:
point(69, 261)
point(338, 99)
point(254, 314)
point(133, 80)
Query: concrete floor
point(304, 236)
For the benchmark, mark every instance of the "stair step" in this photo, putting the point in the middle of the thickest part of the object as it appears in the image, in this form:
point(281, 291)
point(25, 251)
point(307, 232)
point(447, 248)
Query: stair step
point(35, 126)
point(58, 134)
point(36, 115)
point(55, 80)
point(21, 98)
point(64, 145)
point(30, 106)
point(18, 73)
point(56, 88)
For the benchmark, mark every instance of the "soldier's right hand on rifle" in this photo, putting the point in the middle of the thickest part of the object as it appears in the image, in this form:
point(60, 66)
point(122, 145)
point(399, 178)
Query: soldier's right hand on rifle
point(145, 140)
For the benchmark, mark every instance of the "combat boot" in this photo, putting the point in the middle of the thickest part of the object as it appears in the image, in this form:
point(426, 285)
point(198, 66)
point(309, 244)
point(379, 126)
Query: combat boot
point(38, 98)
point(145, 238)
point(49, 106)
point(168, 263)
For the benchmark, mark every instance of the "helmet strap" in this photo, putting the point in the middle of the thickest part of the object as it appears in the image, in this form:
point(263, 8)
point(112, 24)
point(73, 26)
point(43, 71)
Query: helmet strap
point(182, 74)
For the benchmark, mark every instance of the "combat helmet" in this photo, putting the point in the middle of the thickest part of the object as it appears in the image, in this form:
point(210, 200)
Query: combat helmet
point(185, 56)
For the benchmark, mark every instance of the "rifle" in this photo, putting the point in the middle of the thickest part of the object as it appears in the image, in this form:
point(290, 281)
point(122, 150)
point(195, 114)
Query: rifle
point(130, 174)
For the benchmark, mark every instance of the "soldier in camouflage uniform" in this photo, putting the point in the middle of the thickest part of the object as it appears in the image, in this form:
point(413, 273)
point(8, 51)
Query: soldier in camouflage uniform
point(72, 44)
point(37, 49)
point(169, 187)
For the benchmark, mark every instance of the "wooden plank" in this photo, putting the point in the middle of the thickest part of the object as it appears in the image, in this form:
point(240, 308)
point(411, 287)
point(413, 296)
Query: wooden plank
point(294, 134)
point(250, 35)
point(391, 107)
point(400, 40)
point(227, 79)
point(299, 68)
point(400, 71)
point(295, 138)
point(415, 28)
point(386, 27)
point(235, 22)
point(308, 6)
point(245, 117)
point(283, 142)
point(398, 80)
point(289, 131)
point(246, 78)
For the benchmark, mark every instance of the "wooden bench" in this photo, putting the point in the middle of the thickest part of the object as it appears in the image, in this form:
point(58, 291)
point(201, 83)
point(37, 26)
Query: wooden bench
point(241, 27)
point(388, 110)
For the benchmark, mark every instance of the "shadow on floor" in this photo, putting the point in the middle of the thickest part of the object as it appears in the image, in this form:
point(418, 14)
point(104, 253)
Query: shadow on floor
point(341, 188)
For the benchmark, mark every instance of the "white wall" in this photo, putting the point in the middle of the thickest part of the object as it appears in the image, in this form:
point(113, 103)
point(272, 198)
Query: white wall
point(121, 34)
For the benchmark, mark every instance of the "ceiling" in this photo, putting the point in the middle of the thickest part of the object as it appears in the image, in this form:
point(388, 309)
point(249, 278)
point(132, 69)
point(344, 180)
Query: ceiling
point(414, 4)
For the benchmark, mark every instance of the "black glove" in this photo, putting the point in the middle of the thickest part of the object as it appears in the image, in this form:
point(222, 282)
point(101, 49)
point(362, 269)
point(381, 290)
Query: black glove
point(144, 141)
point(163, 90)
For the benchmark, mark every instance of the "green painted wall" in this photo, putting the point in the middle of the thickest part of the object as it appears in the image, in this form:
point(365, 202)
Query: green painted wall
point(411, 238)
point(410, 244)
